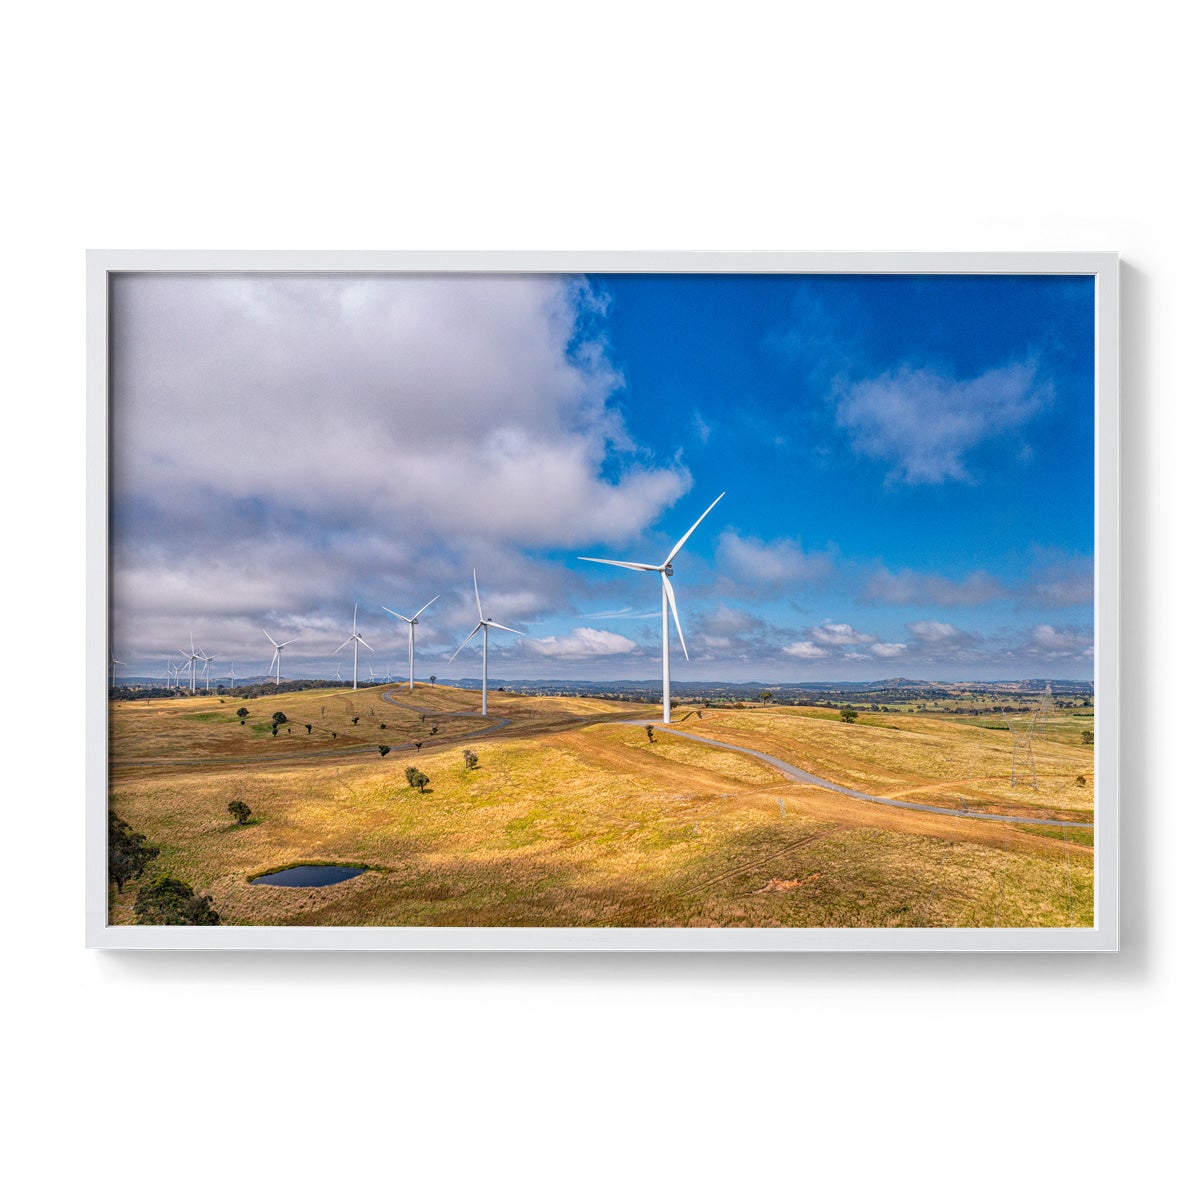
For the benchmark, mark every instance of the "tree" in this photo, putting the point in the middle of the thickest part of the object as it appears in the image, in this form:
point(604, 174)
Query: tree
point(308, 728)
point(470, 759)
point(243, 713)
point(411, 773)
point(421, 781)
point(353, 720)
point(1088, 737)
point(433, 679)
point(765, 697)
point(384, 751)
point(274, 730)
point(650, 732)
point(128, 852)
point(169, 901)
point(849, 715)
point(418, 746)
point(240, 811)
point(279, 718)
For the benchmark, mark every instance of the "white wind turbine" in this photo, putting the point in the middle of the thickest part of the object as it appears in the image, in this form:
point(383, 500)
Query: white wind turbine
point(190, 660)
point(277, 657)
point(114, 662)
point(356, 638)
point(412, 624)
point(485, 623)
point(665, 570)
point(231, 677)
point(207, 659)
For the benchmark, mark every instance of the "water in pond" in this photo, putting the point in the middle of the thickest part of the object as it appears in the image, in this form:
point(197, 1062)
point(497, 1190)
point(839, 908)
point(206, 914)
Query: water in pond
point(309, 876)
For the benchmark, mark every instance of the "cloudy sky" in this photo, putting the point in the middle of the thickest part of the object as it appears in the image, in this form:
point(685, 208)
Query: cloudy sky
point(907, 464)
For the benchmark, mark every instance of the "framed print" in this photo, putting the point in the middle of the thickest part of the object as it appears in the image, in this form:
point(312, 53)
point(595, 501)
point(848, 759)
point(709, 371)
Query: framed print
point(603, 601)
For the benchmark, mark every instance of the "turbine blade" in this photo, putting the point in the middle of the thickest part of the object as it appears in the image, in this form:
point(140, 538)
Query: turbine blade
point(679, 544)
point(675, 613)
point(477, 603)
point(497, 625)
point(612, 562)
point(288, 643)
point(398, 616)
point(361, 639)
point(270, 638)
point(345, 643)
point(464, 645)
point(422, 609)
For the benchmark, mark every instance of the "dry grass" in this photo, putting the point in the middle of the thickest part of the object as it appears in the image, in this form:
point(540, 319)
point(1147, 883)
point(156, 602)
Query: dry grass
point(572, 822)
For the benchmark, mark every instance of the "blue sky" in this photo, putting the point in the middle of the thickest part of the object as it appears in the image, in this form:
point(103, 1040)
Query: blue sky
point(907, 464)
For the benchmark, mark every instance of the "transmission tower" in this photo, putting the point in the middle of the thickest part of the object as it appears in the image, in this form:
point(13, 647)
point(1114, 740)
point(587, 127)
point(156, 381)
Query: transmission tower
point(1023, 726)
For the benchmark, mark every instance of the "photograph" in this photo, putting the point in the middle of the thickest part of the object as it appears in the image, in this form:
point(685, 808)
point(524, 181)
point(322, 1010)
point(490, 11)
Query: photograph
point(667, 598)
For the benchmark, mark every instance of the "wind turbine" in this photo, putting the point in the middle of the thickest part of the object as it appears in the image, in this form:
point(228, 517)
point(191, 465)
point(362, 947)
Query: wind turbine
point(114, 663)
point(277, 658)
point(231, 677)
point(485, 623)
point(356, 638)
point(207, 659)
point(337, 668)
point(371, 672)
point(412, 624)
point(191, 660)
point(665, 570)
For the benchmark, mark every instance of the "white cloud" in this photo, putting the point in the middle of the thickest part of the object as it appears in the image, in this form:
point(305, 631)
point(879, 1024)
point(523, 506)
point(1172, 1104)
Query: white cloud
point(582, 643)
point(923, 424)
point(837, 634)
point(938, 635)
point(888, 649)
point(772, 564)
point(805, 650)
point(912, 587)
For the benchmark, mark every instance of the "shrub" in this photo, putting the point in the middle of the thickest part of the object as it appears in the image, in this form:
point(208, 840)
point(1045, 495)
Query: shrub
point(1088, 737)
point(411, 773)
point(384, 751)
point(849, 715)
point(279, 718)
point(243, 712)
point(470, 759)
point(420, 781)
point(353, 720)
point(240, 811)
point(169, 901)
point(1080, 781)
point(308, 728)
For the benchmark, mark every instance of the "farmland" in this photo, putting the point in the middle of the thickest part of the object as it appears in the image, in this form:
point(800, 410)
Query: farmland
point(575, 817)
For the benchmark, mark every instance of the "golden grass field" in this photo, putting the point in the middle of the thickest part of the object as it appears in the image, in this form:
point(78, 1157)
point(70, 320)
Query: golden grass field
point(575, 819)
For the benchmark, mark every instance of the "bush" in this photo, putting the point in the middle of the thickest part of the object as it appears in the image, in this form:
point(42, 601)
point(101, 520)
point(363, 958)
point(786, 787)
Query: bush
point(1080, 781)
point(1088, 737)
point(410, 773)
point(239, 810)
point(353, 720)
point(243, 712)
point(384, 751)
point(279, 718)
point(421, 781)
point(470, 759)
point(169, 901)
point(849, 715)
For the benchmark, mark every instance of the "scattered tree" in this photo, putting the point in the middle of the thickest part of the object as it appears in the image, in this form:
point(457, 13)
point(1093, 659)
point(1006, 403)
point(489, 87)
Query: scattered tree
point(1080, 781)
point(308, 728)
point(279, 718)
point(765, 697)
point(650, 732)
point(169, 901)
point(411, 773)
point(1088, 737)
point(418, 746)
point(433, 729)
point(274, 730)
point(471, 759)
point(240, 811)
point(384, 751)
point(243, 713)
point(353, 720)
point(128, 852)
point(849, 715)
point(382, 724)
point(433, 679)
point(421, 780)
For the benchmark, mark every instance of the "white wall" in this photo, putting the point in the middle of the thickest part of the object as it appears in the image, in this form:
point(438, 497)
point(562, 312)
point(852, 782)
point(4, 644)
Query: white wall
point(625, 126)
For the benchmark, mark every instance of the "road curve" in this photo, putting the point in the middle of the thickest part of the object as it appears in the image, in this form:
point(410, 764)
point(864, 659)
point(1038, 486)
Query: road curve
point(802, 776)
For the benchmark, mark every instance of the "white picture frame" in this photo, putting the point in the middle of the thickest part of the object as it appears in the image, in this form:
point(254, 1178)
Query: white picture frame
point(1104, 268)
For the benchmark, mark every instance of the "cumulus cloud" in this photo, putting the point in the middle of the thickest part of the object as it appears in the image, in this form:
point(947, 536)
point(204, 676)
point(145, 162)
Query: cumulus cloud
point(836, 634)
point(582, 643)
point(1050, 642)
point(776, 564)
point(938, 635)
point(923, 424)
point(913, 587)
point(888, 649)
point(806, 650)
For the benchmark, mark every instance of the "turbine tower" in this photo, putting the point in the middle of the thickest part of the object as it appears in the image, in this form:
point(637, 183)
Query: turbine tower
point(356, 638)
point(206, 659)
point(231, 677)
point(114, 662)
point(190, 660)
point(1022, 734)
point(277, 658)
point(665, 570)
point(412, 624)
point(485, 623)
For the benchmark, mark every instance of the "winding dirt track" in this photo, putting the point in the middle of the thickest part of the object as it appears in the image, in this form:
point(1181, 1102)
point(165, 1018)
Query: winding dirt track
point(802, 776)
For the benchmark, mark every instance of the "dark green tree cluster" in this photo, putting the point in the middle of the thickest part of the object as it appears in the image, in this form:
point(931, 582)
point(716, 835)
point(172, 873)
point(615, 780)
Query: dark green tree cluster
point(849, 715)
point(417, 779)
point(239, 810)
point(170, 901)
point(128, 852)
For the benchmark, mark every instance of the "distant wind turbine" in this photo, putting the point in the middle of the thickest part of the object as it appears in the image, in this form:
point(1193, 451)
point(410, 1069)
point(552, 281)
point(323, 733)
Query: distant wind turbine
point(485, 623)
point(356, 638)
point(412, 624)
point(277, 658)
point(190, 660)
point(207, 659)
point(231, 677)
point(114, 663)
point(665, 570)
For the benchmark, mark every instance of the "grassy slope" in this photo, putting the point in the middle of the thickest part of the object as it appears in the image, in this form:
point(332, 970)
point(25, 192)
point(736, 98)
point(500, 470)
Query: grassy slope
point(595, 825)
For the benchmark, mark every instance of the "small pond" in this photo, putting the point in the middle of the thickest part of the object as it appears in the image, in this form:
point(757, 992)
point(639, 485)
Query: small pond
point(320, 876)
